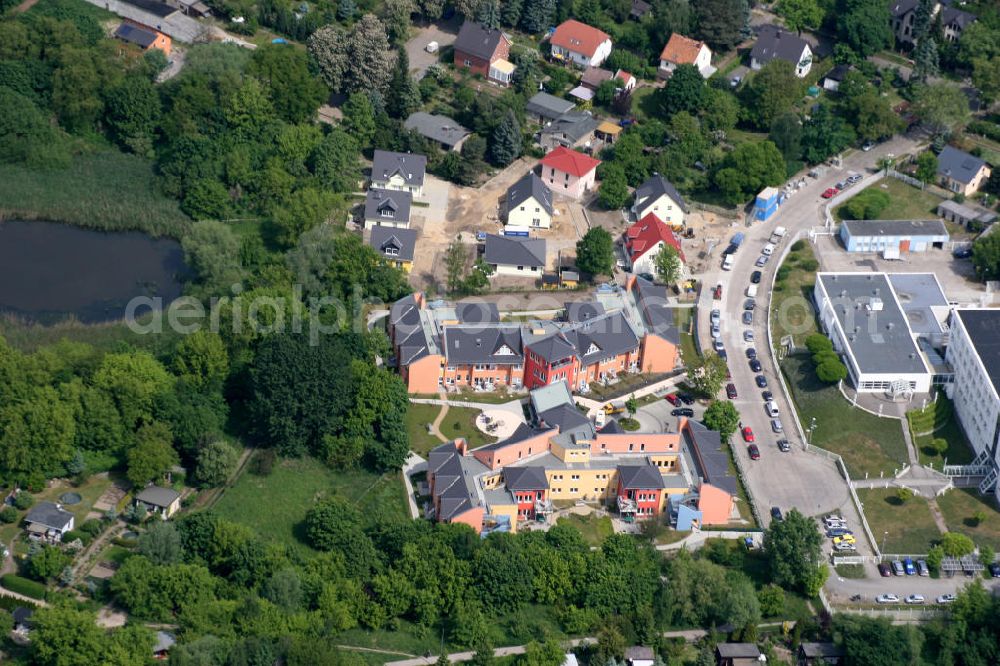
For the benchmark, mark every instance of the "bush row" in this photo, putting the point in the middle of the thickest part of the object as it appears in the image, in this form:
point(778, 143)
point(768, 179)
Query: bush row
point(28, 588)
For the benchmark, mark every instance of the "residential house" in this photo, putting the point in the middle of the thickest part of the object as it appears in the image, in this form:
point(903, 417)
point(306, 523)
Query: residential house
point(484, 51)
point(195, 8)
point(144, 37)
point(628, 81)
point(639, 656)
point(21, 615)
point(442, 130)
point(960, 172)
point(832, 80)
point(737, 654)
point(48, 521)
point(593, 77)
point(639, 9)
point(975, 218)
point(571, 130)
point(659, 196)
point(580, 44)
point(821, 654)
point(893, 238)
point(159, 501)
point(644, 241)
point(568, 172)
point(164, 642)
point(640, 492)
point(511, 255)
point(713, 501)
point(681, 50)
point(398, 171)
point(544, 108)
point(529, 203)
point(903, 13)
point(396, 246)
point(774, 43)
point(387, 208)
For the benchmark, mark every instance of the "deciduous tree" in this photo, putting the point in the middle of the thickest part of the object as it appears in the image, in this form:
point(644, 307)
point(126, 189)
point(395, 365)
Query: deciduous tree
point(595, 252)
point(216, 463)
point(161, 543)
point(153, 454)
point(668, 265)
point(723, 417)
point(794, 550)
point(800, 15)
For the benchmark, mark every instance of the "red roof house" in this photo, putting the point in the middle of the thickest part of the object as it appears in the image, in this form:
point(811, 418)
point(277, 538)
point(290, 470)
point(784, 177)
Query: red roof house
point(681, 50)
point(568, 172)
point(645, 239)
point(580, 43)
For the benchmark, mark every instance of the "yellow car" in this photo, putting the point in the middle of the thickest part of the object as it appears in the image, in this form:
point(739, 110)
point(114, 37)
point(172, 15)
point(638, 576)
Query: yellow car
point(612, 409)
point(847, 538)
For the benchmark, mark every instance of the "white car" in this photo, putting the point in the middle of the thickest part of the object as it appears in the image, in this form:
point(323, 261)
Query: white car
point(887, 599)
point(716, 331)
point(768, 250)
point(946, 599)
point(771, 407)
point(761, 260)
point(432, 47)
point(843, 545)
point(834, 518)
point(718, 346)
point(915, 599)
point(716, 317)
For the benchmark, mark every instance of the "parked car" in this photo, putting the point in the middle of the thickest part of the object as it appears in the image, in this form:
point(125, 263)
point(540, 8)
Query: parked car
point(749, 304)
point(829, 192)
point(897, 568)
point(748, 335)
point(946, 599)
point(755, 365)
point(887, 599)
point(761, 261)
point(717, 293)
point(754, 452)
point(784, 446)
point(731, 391)
point(922, 568)
point(776, 425)
point(776, 513)
point(842, 185)
point(771, 407)
point(672, 399)
point(854, 178)
point(884, 570)
point(962, 252)
point(915, 599)
point(722, 353)
point(610, 409)
point(840, 547)
point(909, 568)
point(748, 318)
point(768, 250)
point(834, 532)
point(716, 317)
point(766, 395)
point(682, 411)
point(867, 145)
point(761, 381)
point(835, 517)
point(751, 353)
point(994, 570)
point(755, 277)
point(686, 398)
point(718, 346)
point(747, 433)
point(716, 331)
point(846, 538)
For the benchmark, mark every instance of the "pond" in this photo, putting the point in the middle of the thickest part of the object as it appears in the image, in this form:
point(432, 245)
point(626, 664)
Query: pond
point(51, 271)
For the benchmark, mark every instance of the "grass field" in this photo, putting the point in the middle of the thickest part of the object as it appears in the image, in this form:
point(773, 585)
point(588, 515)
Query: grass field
point(866, 442)
point(905, 202)
point(107, 190)
point(594, 529)
point(682, 318)
point(959, 507)
point(910, 525)
point(938, 422)
point(275, 505)
point(90, 490)
point(458, 422)
point(29, 337)
point(465, 395)
point(792, 312)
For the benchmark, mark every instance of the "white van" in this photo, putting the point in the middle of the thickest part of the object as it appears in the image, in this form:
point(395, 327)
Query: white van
point(777, 235)
point(752, 291)
point(772, 408)
point(768, 250)
point(727, 263)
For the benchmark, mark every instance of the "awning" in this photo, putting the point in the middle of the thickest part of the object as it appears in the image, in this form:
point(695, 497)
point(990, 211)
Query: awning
point(503, 66)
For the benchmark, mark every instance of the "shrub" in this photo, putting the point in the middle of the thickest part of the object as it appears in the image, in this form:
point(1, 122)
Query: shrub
point(783, 272)
point(956, 545)
point(934, 557)
point(73, 535)
point(867, 205)
point(831, 372)
point(92, 527)
point(798, 246)
point(263, 462)
point(125, 543)
point(987, 129)
point(817, 342)
point(28, 588)
point(809, 265)
point(8, 514)
point(24, 501)
point(940, 445)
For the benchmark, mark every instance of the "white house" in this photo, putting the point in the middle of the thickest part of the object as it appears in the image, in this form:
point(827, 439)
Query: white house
point(644, 241)
point(48, 521)
point(773, 43)
point(517, 256)
point(529, 203)
point(659, 196)
point(580, 44)
point(398, 171)
point(159, 501)
point(387, 208)
point(681, 50)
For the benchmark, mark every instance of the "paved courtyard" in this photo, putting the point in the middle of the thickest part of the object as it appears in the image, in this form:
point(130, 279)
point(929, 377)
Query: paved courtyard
point(416, 48)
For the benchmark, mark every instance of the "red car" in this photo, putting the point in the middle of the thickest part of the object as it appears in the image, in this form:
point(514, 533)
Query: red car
point(754, 452)
point(731, 391)
point(672, 399)
point(717, 294)
point(830, 192)
point(748, 434)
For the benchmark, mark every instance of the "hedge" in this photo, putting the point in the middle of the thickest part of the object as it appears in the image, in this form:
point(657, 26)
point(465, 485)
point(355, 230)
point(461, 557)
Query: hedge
point(28, 588)
point(73, 535)
point(987, 129)
point(10, 603)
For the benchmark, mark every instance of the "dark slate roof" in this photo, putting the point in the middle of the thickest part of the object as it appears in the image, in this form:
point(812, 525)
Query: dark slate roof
point(818, 650)
point(604, 337)
point(575, 125)
point(956, 17)
point(901, 8)
point(710, 456)
point(386, 164)
point(157, 496)
point(454, 480)
point(656, 310)
point(548, 106)
point(514, 251)
point(639, 8)
point(958, 164)
point(567, 418)
point(983, 327)
point(578, 311)
point(478, 40)
point(655, 186)
point(553, 348)
point(442, 129)
point(22, 615)
point(838, 73)
point(521, 433)
point(409, 334)
point(738, 650)
point(477, 312)
point(483, 344)
point(639, 652)
point(640, 477)
point(154, 7)
point(378, 200)
point(49, 514)
point(531, 186)
point(611, 428)
point(895, 227)
point(385, 239)
point(773, 42)
point(135, 35)
point(525, 478)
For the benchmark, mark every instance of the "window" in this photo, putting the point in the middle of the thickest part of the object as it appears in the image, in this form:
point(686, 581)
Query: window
point(468, 63)
point(575, 477)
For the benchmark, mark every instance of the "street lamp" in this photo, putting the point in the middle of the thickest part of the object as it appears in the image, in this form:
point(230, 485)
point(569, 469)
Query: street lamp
point(812, 426)
point(885, 535)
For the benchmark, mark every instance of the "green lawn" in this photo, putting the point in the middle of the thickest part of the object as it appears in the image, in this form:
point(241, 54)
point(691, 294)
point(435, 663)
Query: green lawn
point(682, 318)
point(465, 395)
point(959, 507)
point(791, 300)
point(458, 422)
point(866, 442)
point(938, 422)
point(905, 201)
point(90, 491)
point(594, 529)
point(910, 525)
point(275, 505)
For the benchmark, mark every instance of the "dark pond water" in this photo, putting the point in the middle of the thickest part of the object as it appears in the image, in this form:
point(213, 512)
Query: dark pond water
point(49, 271)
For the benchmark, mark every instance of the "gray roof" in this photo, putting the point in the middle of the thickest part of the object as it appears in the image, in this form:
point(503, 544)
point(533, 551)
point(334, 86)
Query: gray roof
point(595, 76)
point(818, 650)
point(878, 340)
point(901, 8)
point(896, 228)
point(920, 295)
point(514, 251)
point(478, 40)
point(956, 17)
point(966, 212)
point(653, 301)
point(520, 434)
point(49, 514)
point(710, 456)
point(577, 311)
point(548, 106)
point(22, 615)
point(838, 73)
point(411, 167)
point(553, 348)
point(639, 652)
point(568, 419)
point(409, 335)
point(655, 186)
point(738, 650)
point(477, 312)
point(958, 165)
point(442, 129)
point(575, 125)
point(135, 35)
point(158, 496)
point(775, 43)
point(640, 477)
point(639, 8)
point(530, 187)
point(386, 239)
point(164, 641)
point(454, 479)
point(378, 201)
point(983, 327)
point(553, 395)
point(483, 344)
point(525, 478)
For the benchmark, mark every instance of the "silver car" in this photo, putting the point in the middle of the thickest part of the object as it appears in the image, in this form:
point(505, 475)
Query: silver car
point(776, 425)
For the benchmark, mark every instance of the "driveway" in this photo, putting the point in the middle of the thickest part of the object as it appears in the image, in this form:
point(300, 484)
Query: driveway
point(416, 48)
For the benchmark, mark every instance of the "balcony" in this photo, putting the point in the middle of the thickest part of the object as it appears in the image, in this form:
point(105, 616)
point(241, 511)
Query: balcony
point(493, 524)
point(543, 507)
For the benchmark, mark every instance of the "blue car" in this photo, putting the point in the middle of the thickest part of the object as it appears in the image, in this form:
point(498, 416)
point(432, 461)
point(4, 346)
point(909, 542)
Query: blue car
point(908, 566)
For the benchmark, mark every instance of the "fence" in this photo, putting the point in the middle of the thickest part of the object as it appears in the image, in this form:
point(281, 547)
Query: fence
point(731, 213)
point(909, 180)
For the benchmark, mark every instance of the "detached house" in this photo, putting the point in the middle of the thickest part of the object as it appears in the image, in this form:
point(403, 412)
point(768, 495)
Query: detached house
point(395, 245)
point(572, 130)
point(543, 107)
point(442, 130)
point(681, 50)
point(387, 208)
point(48, 521)
point(484, 51)
point(569, 172)
point(960, 172)
point(144, 37)
point(158, 501)
point(529, 203)
point(398, 171)
point(580, 44)
point(773, 43)
point(954, 21)
point(644, 241)
point(659, 196)
point(509, 255)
